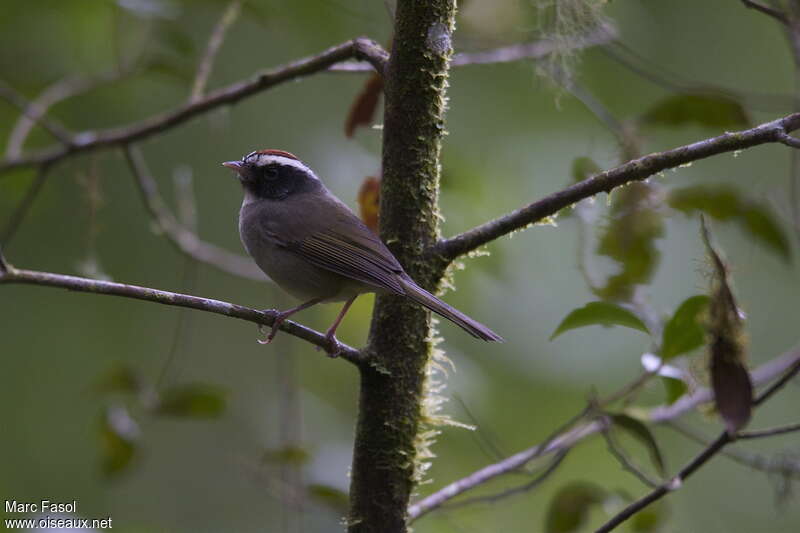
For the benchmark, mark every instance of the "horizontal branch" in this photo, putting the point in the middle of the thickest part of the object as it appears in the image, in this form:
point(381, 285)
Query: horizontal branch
point(570, 438)
point(10, 275)
point(185, 240)
point(770, 432)
point(361, 49)
point(636, 170)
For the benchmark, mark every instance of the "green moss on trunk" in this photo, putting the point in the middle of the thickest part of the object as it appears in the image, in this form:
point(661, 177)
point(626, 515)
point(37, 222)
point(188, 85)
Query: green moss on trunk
point(392, 387)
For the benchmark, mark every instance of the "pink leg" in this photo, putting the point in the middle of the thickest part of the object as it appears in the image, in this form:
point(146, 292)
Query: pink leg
point(283, 315)
point(330, 335)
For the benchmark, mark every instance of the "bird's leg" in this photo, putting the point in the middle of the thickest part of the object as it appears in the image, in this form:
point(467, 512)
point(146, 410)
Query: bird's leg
point(330, 335)
point(283, 315)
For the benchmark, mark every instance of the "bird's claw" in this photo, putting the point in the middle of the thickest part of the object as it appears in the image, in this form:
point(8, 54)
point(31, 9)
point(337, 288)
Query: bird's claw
point(333, 348)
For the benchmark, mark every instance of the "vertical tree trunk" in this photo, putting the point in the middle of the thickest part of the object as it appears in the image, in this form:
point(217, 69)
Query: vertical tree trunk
point(384, 456)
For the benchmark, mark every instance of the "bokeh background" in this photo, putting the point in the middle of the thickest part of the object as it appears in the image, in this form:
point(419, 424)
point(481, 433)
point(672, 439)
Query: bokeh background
point(289, 411)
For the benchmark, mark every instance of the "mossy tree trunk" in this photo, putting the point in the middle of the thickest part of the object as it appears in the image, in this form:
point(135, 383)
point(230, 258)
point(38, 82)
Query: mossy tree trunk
point(391, 396)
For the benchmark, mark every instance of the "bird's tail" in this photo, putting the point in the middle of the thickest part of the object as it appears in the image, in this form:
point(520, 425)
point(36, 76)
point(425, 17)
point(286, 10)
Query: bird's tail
point(473, 327)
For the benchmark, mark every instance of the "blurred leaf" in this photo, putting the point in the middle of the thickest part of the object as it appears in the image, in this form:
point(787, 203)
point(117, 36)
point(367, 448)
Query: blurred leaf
point(642, 433)
point(569, 508)
point(195, 400)
point(684, 331)
point(362, 112)
point(119, 434)
point(369, 201)
point(725, 203)
point(122, 379)
point(649, 519)
point(170, 68)
point(713, 111)
point(629, 239)
point(675, 388)
point(599, 313)
point(332, 497)
point(175, 38)
point(583, 168)
point(293, 455)
point(730, 381)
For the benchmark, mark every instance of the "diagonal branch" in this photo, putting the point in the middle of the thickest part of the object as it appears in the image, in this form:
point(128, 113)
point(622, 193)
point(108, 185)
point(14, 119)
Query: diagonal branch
point(29, 109)
point(361, 49)
point(10, 275)
point(636, 170)
point(185, 240)
point(24, 206)
point(567, 439)
point(769, 11)
point(229, 16)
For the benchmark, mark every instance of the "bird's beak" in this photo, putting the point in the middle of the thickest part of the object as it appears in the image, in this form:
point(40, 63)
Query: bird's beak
point(233, 165)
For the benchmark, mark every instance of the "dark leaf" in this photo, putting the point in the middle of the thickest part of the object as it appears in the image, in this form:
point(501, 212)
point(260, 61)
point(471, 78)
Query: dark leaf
point(733, 391)
point(599, 313)
point(119, 434)
point(629, 239)
point(684, 332)
point(583, 168)
point(569, 508)
point(642, 433)
point(293, 455)
point(650, 519)
point(362, 112)
point(675, 388)
point(713, 111)
point(329, 496)
point(725, 203)
point(369, 201)
point(196, 400)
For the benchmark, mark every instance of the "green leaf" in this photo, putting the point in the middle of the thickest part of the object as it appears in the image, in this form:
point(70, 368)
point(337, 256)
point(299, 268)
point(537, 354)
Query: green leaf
point(675, 388)
point(332, 497)
point(195, 400)
point(713, 111)
point(121, 379)
point(583, 168)
point(650, 519)
point(119, 435)
point(599, 313)
point(642, 433)
point(569, 508)
point(293, 455)
point(684, 332)
point(725, 203)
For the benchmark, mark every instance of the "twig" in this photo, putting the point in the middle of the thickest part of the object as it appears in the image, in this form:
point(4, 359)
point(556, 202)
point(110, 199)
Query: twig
point(710, 451)
point(4, 266)
point(623, 459)
point(229, 16)
point(788, 140)
point(568, 439)
point(361, 49)
point(24, 206)
point(774, 13)
point(770, 432)
point(636, 170)
point(74, 283)
point(186, 241)
point(53, 127)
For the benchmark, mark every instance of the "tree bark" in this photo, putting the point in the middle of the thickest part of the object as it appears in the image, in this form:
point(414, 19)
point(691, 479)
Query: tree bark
point(385, 456)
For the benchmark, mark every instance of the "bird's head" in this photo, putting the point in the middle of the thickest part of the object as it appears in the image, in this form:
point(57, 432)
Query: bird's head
point(273, 174)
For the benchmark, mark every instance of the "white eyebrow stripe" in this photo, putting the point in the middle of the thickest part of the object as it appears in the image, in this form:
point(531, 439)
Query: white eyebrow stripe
point(265, 159)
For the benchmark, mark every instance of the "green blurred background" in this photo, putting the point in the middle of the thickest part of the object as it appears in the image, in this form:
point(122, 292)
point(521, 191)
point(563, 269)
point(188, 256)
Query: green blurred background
point(512, 138)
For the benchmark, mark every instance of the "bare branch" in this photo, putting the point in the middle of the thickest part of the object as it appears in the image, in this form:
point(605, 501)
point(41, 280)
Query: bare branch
point(788, 140)
point(774, 13)
point(361, 49)
point(636, 170)
point(710, 451)
point(770, 432)
point(569, 438)
point(28, 109)
point(24, 206)
point(229, 16)
point(185, 240)
point(74, 283)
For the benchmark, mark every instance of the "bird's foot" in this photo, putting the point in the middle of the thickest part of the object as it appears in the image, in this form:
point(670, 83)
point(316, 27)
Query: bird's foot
point(333, 348)
point(279, 318)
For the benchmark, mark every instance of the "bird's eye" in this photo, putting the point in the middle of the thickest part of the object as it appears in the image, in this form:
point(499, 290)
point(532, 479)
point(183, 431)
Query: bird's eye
point(270, 173)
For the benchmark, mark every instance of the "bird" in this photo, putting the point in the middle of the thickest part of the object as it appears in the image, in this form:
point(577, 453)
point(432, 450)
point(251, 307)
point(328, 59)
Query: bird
point(316, 249)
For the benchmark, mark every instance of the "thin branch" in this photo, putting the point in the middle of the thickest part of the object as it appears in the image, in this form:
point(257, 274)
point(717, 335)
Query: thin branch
point(229, 16)
point(24, 205)
point(567, 439)
point(361, 49)
point(626, 462)
point(53, 127)
point(770, 432)
point(185, 240)
point(636, 170)
point(788, 140)
point(774, 13)
point(710, 451)
point(74, 283)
